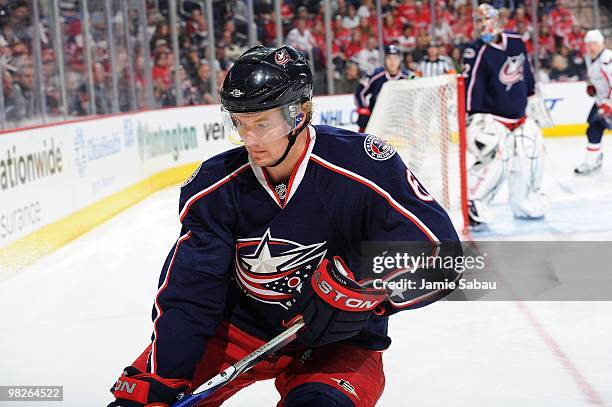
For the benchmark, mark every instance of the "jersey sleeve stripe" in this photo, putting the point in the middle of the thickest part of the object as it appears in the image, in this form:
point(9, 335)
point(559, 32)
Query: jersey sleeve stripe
point(607, 80)
point(211, 188)
point(384, 194)
point(157, 306)
point(473, 78)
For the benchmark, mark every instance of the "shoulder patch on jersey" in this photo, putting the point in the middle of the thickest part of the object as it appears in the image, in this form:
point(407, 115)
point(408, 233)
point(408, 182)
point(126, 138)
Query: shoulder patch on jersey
point(469, 53)
point(192, 176)
point(377, 148)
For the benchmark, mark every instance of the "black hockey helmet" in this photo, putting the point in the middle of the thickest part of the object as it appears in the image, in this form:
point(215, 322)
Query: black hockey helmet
point(392, 50)
point(265, 78)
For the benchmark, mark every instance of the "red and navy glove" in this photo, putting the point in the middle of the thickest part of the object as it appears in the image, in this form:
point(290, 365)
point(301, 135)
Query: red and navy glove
point(590, 89)
point(605, 110)
point(136, 389)
point(334, 306)
point(364, 117)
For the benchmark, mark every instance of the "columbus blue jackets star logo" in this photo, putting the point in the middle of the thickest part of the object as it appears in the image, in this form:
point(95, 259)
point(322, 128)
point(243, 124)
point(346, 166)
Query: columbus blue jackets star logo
point(272, 270)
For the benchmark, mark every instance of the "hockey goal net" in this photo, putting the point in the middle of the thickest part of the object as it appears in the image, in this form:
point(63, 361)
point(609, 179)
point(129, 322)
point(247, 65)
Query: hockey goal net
point(424, 119)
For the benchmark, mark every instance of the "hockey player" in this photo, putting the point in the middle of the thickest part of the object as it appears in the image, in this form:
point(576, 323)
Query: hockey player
point(504, 142)
point(372, 84)
point(600, 86)
point(267, 229)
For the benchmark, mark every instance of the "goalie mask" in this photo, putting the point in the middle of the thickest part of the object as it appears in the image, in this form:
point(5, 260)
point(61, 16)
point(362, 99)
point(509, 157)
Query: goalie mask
point(488, 24)
point(263, 93)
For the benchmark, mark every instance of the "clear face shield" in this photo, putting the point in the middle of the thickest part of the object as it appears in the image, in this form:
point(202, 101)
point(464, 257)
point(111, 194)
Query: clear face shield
point(265, 127)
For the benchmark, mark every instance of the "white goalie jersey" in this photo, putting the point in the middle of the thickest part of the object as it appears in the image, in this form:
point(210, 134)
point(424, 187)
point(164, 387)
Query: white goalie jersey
point(600, 76)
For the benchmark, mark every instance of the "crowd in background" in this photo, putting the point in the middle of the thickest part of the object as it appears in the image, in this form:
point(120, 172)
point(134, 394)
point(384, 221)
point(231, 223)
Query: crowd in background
point(354, 47)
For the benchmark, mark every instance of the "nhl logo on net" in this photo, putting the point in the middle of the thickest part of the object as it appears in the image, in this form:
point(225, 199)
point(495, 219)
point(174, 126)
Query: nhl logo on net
point(377, 148)
point(282, 57)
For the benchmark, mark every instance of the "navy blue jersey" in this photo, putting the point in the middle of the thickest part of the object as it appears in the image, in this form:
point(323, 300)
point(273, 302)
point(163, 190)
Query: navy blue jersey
point(372, 85)
point(243, 252)
point(498, 77)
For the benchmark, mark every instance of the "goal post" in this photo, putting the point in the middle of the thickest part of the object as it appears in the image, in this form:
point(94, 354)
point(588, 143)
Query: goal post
point(424, 119)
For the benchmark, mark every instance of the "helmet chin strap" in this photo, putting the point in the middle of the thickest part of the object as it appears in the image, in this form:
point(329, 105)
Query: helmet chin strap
point(292, 136)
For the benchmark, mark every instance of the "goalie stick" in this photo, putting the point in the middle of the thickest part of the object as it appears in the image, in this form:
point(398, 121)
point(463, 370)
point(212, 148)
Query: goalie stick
point(241, 366)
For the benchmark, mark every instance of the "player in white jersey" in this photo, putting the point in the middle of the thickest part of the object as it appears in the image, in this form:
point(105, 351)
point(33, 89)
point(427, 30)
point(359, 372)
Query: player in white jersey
point(600, 86)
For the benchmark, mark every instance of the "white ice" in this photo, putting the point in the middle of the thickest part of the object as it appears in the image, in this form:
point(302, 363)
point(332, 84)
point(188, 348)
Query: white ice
point(78, 316)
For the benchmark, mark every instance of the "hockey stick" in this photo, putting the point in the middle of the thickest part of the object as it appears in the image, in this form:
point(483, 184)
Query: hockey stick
point(241, 366)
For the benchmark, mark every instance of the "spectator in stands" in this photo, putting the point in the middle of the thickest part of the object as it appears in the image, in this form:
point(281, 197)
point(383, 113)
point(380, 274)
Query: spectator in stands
point(391, 30)
point(575, 62)
point(22, 96)
point(160, 36)
point(561, 70)
point(341, 35)
point(560, 13)
point(409, 62)
point(300, 38)
point(575, 40)
point(421, 18)
point(407, 11)
point(521, 30)
point(161, 67)
point(351, 20)
point(407, 41)
point(364, 9)
point(369, 57)
point(349, 81)
point(9, 101)
point(563, 27)
point(355, 45)
point(443, 32)
point(53, 101)
point(422, 43)
point(19, 22)
point(456, 59)
point(462, 28)
point(202, 84)
point(222, 61)
point(220, 78)
point(365, 28)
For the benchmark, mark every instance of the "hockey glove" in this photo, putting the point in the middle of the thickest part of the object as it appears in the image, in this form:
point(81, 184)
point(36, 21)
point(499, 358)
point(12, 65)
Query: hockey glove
point(136, 389)
point(334, 306)
point(605, 110)
point(590, 89)
point(364, 117)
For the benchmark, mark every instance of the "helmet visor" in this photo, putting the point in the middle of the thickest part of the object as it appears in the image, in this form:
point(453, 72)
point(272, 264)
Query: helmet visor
point(265, 126)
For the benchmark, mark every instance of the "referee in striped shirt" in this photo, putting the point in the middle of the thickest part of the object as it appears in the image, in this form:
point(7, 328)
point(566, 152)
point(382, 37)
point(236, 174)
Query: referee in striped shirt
point(434, 64)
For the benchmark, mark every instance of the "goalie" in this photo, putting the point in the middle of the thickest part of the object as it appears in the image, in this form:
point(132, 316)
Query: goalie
point(505, 143)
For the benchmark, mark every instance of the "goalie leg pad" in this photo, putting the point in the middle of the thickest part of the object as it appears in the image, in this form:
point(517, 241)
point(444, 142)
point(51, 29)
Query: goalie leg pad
point(485, 179)
point(484, 134)
point(525, 177)
point(487, 140)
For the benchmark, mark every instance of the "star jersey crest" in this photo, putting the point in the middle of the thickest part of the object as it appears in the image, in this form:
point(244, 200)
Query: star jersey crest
point(272, 270)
